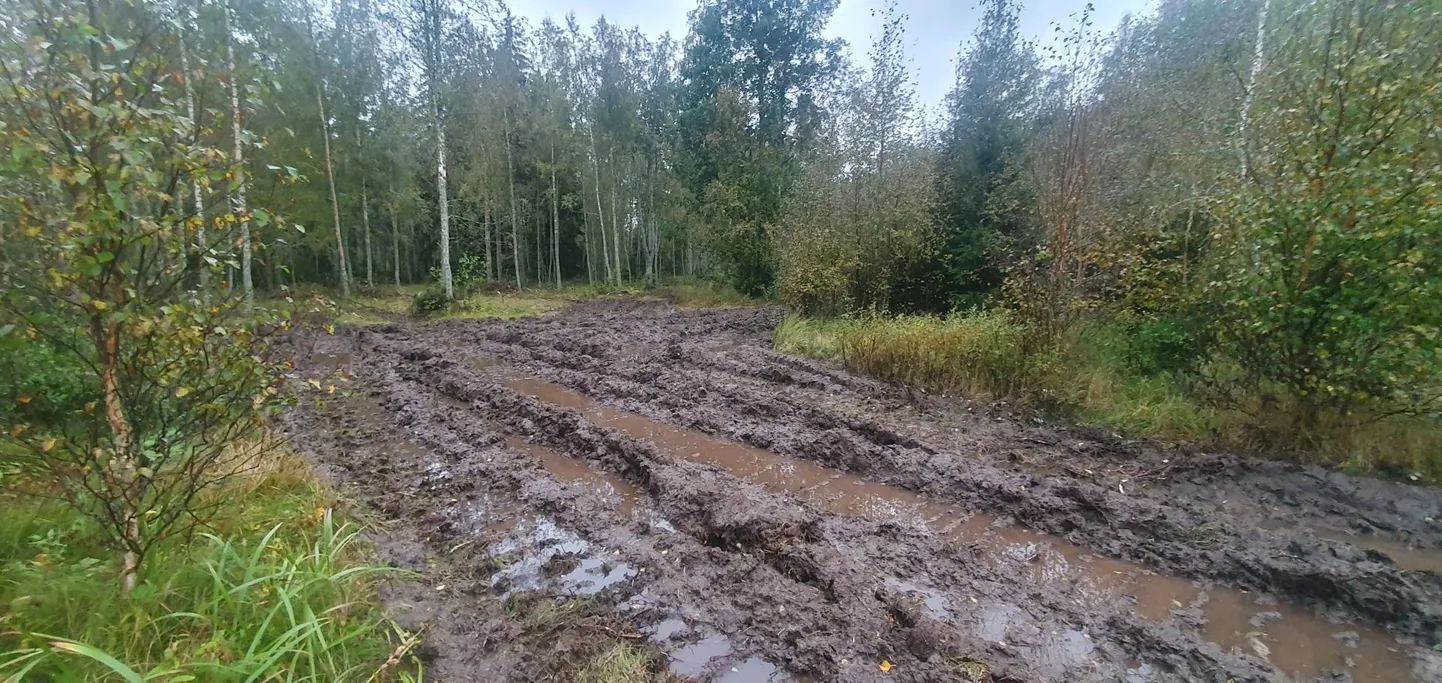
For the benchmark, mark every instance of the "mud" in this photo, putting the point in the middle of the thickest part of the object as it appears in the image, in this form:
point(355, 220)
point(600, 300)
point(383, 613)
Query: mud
point(752, 516)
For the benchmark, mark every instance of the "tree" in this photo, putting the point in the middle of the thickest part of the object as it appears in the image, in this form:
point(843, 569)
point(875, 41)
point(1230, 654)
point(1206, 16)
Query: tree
point(773, 70)
point(96, 271)
point(985, 211)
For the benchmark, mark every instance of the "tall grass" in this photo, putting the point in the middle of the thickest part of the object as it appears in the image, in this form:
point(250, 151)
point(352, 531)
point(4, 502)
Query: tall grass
point(279, 591)
point(986, 353)
point(1089, 374)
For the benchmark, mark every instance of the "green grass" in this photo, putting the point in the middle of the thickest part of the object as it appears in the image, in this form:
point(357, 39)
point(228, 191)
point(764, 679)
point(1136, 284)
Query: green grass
point(277, 590)
point(1086, 377)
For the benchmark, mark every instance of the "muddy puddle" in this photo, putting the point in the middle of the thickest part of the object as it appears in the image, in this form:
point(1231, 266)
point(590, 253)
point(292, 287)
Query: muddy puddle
point(571, 470)
point(542, 555)
point(712, 655)
point(1295, 640)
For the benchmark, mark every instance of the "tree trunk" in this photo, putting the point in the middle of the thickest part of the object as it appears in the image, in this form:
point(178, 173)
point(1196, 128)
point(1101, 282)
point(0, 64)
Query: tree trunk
point(490, 263)
point(1258, 61)
point(237, 158)
point(515, 218)
point(555, 220)
point(395, 241)
point(433, 64)
point(600, 210)
point(344, 263)
point(365, 207)
point(195, 189)
point(615, 228)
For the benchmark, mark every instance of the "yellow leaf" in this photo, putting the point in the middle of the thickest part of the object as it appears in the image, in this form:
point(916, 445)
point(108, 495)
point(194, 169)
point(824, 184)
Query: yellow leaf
point(23, 400)
point(100, 305)
point(17, 430)
point(314, 382)
point(885, 666)
point(330, 389)
point(182, 391)
point(47, 446)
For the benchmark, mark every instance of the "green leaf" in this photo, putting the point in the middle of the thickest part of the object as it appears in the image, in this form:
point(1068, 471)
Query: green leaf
point(104, 257)
point(261, 216)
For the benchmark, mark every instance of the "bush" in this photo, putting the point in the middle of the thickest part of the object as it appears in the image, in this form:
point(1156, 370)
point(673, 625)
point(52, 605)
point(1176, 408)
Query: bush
point(429, 301)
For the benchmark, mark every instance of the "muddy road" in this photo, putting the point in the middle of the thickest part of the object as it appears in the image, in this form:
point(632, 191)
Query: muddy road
point(623, 472)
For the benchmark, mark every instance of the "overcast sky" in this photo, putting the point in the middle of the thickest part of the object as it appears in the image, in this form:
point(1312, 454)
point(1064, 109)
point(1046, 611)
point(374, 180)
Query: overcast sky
point(934, 33)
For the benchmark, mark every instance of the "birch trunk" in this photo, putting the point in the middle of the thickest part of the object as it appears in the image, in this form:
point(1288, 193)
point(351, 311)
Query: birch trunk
point(515, 218)
point(237, 157)
point(195, 189)
point(344, 263)
point(600, 210)
point(555, 220)
point(1258, 62)
point(433, 59)
point(365, 208)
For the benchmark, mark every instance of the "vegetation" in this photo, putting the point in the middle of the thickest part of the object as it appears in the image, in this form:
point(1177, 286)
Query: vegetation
point(252, 596)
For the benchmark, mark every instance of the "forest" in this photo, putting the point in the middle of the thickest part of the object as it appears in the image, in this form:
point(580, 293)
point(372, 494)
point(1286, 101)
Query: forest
point(1216, 226)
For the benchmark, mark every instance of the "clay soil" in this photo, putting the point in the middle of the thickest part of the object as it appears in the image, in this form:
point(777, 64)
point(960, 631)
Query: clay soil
point(628, 477)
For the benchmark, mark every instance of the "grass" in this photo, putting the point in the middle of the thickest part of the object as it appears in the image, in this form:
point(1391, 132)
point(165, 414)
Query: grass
point(982, 354)
point(388, 304)
point(1085, 377)
point(278, 589)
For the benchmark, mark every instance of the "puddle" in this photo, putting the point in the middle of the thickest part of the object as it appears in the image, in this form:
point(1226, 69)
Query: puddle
point(330, 361)
point(1296, 641)
point(663, 631)
point(752, 670)
point(1300, 643)
point(568, 470)
point(552, 553)
point(487, 515)
point(692, 659)
point(935, 604)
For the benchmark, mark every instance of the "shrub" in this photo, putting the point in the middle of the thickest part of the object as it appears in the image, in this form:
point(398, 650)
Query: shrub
point(429, 301)
point(1325, 296)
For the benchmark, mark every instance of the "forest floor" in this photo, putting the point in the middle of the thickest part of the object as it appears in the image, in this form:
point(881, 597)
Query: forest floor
point(626, 491)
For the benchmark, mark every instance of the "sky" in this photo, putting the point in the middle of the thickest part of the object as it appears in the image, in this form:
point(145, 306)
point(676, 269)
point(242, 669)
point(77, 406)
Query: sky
point(934, 34)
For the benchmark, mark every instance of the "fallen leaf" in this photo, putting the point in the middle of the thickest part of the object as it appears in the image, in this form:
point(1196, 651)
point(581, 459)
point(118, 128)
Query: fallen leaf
point(885, 666)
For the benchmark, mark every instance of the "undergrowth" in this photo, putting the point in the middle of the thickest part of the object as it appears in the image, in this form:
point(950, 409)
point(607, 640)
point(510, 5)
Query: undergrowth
point(1104, 375)
point(277, 590)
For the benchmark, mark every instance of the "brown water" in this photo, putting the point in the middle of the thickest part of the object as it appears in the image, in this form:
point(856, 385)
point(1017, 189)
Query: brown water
point(1295, 640)
point(572, 470)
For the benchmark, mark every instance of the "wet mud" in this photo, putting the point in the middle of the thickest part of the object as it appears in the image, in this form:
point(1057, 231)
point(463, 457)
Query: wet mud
point(750, 516)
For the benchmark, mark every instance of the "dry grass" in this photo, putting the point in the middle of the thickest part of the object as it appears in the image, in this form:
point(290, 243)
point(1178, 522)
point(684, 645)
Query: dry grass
point(983, 354)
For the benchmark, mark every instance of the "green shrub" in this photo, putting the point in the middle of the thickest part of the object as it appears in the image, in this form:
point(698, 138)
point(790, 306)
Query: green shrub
point(429, 301)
